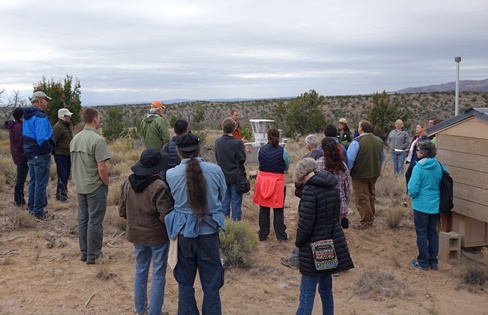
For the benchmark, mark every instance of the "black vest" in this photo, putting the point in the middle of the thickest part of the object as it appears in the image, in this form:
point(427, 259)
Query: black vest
point(271, 159)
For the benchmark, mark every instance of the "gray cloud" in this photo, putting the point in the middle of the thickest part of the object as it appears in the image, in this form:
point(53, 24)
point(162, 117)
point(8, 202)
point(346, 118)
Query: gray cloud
point(138, 51)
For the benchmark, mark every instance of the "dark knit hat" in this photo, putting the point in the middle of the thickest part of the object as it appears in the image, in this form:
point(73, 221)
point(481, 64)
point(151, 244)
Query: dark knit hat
point(18, 113)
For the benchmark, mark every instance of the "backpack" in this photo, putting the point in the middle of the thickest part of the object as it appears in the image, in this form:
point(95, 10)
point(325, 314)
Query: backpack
point(446, 189)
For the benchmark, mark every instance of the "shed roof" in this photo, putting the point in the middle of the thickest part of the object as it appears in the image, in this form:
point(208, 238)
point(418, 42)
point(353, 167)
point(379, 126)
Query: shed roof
point(481, 113)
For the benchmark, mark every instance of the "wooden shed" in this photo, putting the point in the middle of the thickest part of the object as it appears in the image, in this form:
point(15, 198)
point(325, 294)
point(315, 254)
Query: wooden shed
point(462, 146)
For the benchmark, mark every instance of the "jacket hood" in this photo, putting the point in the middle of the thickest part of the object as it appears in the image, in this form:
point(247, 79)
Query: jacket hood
point(323, 179)
point(429, 163)
point(139, 183)
point(33, 111)
point(150, 118)
point(9, 124)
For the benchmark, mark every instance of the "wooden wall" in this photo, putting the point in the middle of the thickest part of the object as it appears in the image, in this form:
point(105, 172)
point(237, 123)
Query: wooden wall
point(463, 149)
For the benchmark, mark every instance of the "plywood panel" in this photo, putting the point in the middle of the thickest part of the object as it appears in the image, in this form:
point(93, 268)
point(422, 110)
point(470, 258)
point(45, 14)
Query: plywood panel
point(462, 144)
point(463, 160)
point(468, 177)
point(471, 128)
point(470, 193)
point(471, 209)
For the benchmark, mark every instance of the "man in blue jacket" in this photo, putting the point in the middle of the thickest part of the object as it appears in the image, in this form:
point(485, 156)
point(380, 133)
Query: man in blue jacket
point(39, 144)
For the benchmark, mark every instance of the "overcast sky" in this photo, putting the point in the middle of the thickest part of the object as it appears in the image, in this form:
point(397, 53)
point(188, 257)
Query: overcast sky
point(135, 51)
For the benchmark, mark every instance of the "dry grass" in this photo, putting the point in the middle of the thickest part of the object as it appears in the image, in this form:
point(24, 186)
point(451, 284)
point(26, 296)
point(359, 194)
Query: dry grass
point(373, 284)
point(393, 216)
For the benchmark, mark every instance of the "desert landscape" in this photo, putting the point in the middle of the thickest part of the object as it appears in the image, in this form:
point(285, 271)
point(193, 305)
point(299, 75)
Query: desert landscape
point(41, 272)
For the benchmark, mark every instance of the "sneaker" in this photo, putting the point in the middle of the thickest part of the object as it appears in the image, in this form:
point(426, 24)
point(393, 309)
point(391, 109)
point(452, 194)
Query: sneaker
point(433, 267)
point(286, 239)
point(286, 262)
point(416, 264)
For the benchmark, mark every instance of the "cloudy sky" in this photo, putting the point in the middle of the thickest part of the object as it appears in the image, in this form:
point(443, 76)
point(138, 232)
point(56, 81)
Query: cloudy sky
point(134, 51)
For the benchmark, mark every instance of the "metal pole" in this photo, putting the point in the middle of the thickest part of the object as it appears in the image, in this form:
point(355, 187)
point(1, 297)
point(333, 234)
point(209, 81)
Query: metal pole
point(456, 107)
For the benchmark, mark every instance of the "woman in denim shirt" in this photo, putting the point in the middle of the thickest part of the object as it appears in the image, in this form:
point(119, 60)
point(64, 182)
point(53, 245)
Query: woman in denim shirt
point(198, 188)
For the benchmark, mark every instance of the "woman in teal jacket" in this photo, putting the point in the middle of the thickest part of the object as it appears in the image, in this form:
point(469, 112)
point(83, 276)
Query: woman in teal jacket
point(424, 188)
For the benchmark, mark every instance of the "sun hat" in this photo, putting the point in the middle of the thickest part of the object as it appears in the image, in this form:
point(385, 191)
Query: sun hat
point(152, 162)
point(187, 142)
point(343, 120)
point(38, 95)
point(64, 112)
point(157, 104)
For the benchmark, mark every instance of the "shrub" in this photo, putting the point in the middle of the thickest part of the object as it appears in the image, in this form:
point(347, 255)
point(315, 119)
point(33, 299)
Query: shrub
point(474, 276)
point(393, 216)
point(236, 244)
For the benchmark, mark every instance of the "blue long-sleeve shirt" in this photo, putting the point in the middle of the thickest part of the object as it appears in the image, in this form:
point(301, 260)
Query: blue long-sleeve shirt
point(182, 220)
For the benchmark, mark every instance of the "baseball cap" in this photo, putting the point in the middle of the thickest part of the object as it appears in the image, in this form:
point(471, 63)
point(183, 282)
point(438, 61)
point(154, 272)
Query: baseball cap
point(157, 104)
point(38, 95)
point(64, 112)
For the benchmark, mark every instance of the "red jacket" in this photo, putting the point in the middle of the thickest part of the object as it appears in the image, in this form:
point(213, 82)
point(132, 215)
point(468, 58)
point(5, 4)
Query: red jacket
point(269, 190)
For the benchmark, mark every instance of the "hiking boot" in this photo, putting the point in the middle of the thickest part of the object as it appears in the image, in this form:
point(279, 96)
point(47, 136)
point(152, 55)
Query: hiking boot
point(94, 260)
point(286, 262)
point(45, 217)
point(83, 257)
point(433, 267)
point(416, 264)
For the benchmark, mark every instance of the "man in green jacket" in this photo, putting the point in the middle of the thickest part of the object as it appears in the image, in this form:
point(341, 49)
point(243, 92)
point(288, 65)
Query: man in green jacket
point(154, 128)
point(365, 157)
point(63, 134)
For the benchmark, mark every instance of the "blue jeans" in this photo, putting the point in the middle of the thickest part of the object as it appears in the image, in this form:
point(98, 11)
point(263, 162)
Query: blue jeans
point(91, 211)
point(22, 171)
point(39, 168)
point(307, 294)
point(200, 253)
point(144, 254)
point(63, 168)
point(427, 237)
point(398, 161)
point(232, 197)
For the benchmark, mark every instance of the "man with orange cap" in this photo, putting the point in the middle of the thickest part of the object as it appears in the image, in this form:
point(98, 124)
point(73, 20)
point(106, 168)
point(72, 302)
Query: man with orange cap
point(154, 128)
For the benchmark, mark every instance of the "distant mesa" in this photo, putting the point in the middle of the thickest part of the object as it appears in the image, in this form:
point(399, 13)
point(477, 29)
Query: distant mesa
point(464, 86)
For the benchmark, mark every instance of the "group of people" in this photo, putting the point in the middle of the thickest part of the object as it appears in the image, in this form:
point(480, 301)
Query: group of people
point(175, 202)
point(33, 141)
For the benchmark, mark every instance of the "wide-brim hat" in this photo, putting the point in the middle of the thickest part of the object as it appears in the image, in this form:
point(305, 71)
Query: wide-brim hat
point(343, 120)
point(152, 162)
point(187, 142)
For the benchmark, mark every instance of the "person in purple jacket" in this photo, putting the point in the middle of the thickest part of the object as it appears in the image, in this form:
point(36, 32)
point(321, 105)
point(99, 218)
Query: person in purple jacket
point(14, 127)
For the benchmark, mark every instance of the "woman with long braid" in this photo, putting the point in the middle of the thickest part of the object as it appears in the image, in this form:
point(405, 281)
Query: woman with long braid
point(198, 188)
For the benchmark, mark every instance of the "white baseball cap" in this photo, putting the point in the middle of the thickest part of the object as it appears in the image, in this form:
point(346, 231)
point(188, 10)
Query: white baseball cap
point(64, 112)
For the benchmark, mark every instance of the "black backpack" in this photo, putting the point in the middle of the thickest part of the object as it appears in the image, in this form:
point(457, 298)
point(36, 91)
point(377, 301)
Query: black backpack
point(446, 188)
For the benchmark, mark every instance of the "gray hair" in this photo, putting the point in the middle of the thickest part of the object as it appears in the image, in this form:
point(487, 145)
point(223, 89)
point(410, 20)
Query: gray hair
point(228, 125)
point(312, 141)
point(427, 148)
point(154, 110)
point(303, 168)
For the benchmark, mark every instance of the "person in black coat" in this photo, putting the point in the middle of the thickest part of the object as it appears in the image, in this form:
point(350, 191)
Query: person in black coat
point(319, 213)
point(230, 155)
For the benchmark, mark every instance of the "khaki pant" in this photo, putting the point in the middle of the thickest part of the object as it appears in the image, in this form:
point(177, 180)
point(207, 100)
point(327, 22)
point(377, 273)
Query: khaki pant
point(364, 197)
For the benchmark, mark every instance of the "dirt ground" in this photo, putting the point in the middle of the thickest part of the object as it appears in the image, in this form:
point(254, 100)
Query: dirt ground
point(40, 270)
